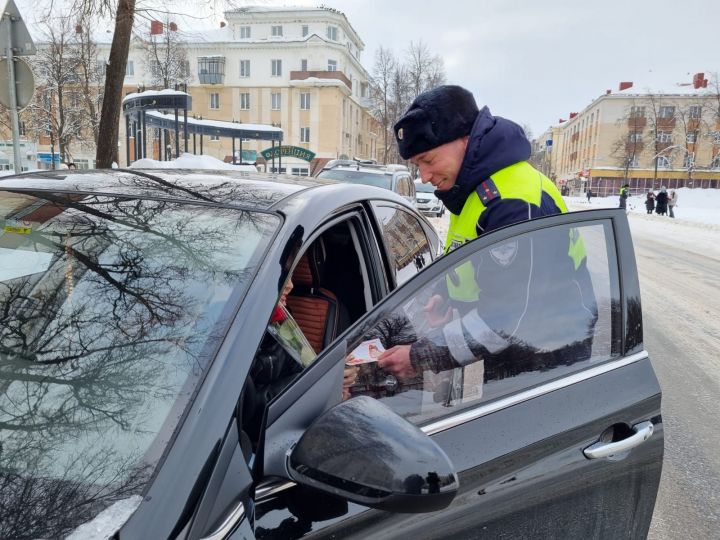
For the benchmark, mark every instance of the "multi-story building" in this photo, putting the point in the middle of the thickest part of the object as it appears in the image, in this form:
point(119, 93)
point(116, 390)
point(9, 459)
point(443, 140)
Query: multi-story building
point(646, 136)
point(297, 68)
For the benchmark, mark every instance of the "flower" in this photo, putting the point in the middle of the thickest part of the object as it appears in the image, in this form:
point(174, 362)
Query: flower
point(278, 315)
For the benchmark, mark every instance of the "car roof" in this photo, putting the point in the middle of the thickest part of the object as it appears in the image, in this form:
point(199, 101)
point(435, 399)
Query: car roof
point(258, 191)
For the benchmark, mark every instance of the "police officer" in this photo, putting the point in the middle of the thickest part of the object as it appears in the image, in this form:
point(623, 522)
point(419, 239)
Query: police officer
point(624, 195)
point(478, 164)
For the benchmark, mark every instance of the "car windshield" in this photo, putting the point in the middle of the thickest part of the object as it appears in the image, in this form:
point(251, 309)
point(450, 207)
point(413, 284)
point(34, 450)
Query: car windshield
point(358, 177)
point(424, 188)
point(111, 310)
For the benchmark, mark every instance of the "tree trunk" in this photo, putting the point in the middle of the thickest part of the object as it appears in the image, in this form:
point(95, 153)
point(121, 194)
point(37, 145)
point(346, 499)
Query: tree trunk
point(114, 77)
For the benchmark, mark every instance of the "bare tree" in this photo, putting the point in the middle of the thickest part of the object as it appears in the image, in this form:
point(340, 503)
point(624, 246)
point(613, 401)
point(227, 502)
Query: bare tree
point(383, 71)
point(630, 145)
point(166, 57)
point(424, 69)
point(90, 77)
point(57, 109)
point(690, 115)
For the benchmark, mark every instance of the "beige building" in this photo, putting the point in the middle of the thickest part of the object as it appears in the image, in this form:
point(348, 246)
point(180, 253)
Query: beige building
point(296, 68)
point(648, 136)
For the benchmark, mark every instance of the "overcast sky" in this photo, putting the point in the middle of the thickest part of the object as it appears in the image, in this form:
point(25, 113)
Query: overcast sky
point(535, 61)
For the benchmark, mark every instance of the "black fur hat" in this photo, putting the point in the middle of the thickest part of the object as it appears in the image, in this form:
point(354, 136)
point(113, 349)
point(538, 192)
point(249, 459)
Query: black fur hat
point(435, 117)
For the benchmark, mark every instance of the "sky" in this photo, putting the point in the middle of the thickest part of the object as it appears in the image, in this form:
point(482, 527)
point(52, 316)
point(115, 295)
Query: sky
point(531, 61)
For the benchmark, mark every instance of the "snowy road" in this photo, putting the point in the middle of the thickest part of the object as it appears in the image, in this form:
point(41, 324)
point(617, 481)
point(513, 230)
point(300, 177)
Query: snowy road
point(679, 277)
point(679, 267)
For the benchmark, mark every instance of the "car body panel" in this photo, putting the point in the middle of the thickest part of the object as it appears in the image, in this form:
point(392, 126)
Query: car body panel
point(517, 463)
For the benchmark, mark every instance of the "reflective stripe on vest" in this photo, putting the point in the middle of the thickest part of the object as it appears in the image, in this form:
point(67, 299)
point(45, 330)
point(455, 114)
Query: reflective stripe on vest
point(519, 181)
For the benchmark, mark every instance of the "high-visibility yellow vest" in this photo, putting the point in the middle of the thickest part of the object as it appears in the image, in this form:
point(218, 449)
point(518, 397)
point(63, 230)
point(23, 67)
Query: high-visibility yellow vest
point(519, 181)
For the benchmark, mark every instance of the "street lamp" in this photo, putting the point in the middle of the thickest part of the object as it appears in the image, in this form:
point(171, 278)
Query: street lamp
point(690, 166)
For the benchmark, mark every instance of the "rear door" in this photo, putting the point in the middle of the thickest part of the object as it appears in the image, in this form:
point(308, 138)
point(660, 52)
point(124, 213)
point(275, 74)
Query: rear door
point(562, 440)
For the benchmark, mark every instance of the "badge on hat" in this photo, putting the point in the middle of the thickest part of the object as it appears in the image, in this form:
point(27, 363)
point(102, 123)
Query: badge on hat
point(400, 134)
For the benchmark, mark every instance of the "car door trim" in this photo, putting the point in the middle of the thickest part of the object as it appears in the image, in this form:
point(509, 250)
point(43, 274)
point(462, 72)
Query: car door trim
point(484, 410)
point(235, 516)
point(269, 488)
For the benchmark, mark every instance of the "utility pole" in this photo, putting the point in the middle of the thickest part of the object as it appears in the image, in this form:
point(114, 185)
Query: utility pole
point(17, 86)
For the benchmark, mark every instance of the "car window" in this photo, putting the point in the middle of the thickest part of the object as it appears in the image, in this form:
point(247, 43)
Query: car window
point(424, 188)
point(402, 187)
point(510, 316)
point(405, 240)
point(113, 308)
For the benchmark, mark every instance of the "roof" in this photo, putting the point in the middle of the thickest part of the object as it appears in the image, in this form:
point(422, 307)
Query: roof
point(257, 191)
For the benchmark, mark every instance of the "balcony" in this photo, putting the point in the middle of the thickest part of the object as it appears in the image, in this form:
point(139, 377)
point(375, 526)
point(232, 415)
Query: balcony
point(336, 75)
point(666, 123)
point(637, 123)
point(211, 69)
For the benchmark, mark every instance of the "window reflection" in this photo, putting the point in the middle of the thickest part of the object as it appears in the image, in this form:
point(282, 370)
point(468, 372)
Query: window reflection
point(111, 310)
point(508, 317)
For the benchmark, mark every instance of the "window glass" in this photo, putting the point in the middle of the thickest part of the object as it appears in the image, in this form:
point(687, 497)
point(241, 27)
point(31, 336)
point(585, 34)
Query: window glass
point(405, 240)
point(516, 314)
point(114, 307)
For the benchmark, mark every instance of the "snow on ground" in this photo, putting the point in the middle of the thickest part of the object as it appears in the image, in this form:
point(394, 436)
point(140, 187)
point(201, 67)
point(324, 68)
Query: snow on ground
point(191, 161)
point(696, 226)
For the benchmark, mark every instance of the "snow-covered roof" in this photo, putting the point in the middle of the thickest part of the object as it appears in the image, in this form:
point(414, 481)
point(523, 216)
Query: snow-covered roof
point(652, 82)
point(153, 93)
point(218, 123)
point(220, 128)
point(190, 161)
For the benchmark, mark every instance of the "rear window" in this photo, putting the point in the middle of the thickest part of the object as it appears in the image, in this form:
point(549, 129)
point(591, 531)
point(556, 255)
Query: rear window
point(424, 188)
point(110, 309)
point(358, 177)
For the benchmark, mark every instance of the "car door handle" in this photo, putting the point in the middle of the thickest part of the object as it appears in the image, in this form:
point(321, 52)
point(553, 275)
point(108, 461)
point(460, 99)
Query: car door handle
point(642, 432)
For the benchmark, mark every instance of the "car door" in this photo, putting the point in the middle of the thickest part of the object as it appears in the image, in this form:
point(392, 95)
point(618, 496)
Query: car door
point(561, 439)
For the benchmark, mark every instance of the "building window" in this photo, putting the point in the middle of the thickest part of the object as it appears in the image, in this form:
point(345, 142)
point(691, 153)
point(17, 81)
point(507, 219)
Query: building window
point(211, 69)
point(215, 100)
point(214, 137)
point(303, 64)
point(300, 171)
point(695, 111)
point(275, 98)
point(305, 135)
point(715, 162)
point(305, 30)
point(276, 31)
point(634, 161)
point(244, 68)
point(245, 100)
point(305, 101)
point(100, 65)
point(691, 137)
point(666, 111)
point(636, 137)
point(332, 33)
point(22, 129)
point(276, 68)
point(716, 137)
point(130, 69)
point(332, 65)
point(637, 112)
point(664, 136)
point(244, 32)
point(662, 162)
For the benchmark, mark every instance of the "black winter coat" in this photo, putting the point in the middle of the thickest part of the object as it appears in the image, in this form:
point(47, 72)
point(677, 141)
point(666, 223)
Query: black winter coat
point(661, 202)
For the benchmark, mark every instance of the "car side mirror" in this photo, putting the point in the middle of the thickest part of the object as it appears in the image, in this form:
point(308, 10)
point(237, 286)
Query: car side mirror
point(362, 451)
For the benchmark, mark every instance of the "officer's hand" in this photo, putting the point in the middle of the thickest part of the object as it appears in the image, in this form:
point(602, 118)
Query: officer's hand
point(396, 360)
point(435, 314)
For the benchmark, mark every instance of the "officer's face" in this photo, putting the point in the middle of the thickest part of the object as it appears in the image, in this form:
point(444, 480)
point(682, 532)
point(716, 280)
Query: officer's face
point(440, 166)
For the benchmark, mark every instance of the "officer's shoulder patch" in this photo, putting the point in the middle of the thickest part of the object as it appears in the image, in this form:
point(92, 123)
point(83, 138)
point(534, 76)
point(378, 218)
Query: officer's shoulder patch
point(487, 191)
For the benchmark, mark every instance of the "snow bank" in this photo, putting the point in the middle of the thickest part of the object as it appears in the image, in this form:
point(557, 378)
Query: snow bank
point(191, 161)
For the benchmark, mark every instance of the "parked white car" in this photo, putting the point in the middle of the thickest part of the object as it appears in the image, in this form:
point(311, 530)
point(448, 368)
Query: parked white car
point(426, 201)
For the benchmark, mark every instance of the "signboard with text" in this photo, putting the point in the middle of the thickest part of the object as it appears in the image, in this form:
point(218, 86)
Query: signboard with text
point(288, 151)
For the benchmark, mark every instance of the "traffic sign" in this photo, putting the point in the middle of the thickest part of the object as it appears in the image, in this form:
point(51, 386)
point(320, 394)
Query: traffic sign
point(24, 84)
point(21, 41)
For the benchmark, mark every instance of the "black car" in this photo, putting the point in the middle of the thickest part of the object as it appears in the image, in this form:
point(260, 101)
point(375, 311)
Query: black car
point(133, 307)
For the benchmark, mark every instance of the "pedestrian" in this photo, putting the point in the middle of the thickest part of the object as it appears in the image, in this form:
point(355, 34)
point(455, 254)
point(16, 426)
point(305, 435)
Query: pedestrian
point(661, 202)
point(589, 194)
point(624, 193)
point(478, 165)
point(672, 201)
point(650, 202)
